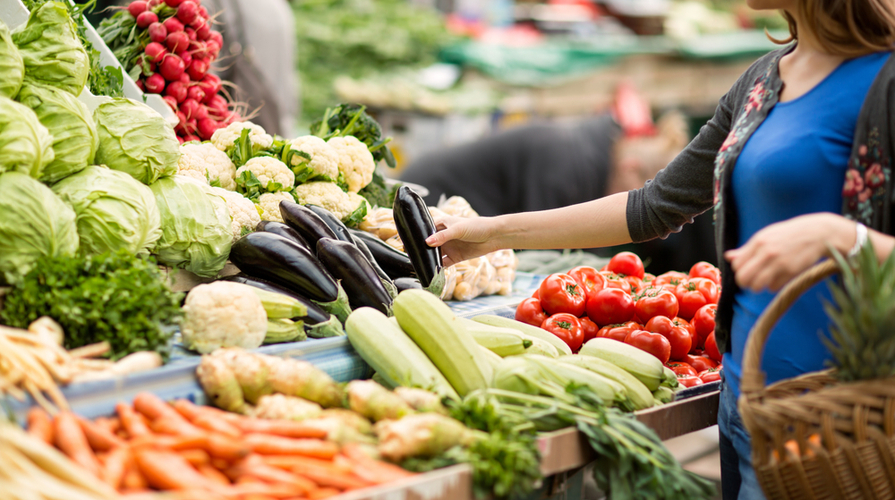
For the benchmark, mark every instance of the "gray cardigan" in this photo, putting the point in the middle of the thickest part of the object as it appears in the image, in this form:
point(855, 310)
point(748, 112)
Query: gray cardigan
point(700, 177)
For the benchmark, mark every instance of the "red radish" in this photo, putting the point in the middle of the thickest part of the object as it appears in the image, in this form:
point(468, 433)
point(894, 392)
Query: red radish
point(201, 112)
point(189, 106)
point(187, 57)
point(192, 126)
point(208, 87)
point(187, 11)
point(155, 51)
point(197, 23)
point(173, 3)
point(173, 25)
point(137, 7)
point(216, 37)
point(181, 120)
point(151, 4)
point(207, 126)
point(177, 41)
point(201, 50)
point(191, 138)
point(203, 12)
point(172, 103)
point(155, 83)
point(213, 48)
point(157, 32)
point(171, 67)
point(185, 79)
point(191, 33)
point(146, 18)
point(177, 91)
point(217, 107)
point(198, 69)
point(140, 85)
point(147, 65)
point(196, 93)
point(203, 32)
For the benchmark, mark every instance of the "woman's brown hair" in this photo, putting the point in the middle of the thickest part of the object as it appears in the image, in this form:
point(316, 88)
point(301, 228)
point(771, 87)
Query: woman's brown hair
point(847, 27)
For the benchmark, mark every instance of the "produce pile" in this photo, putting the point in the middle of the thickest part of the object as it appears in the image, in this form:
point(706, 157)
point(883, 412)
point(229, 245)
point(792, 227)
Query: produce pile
point(671, 316)
point(168, 48)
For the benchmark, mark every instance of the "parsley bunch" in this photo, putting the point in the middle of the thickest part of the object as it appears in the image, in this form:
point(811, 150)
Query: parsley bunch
point(118, 298)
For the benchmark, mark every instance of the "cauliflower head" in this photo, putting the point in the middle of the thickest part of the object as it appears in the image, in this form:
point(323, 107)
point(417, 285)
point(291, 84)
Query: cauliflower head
point(243, 214)
point(269, 205)
point(263, 174)
point(204, 162)
point(313, 158)
point(225, 138)
point(330, 196)
point(223, 314)
point(356, 162)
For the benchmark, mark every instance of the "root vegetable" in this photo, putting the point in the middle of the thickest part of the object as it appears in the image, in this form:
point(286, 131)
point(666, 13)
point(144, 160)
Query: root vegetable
point(40, 425)
point(266, 444)
point(196, 93)
point(423, 434)
point(155, 83)
point(144, 19)
point(197, 23)
point(187, 11)
point(98, 437)
point(191, 138)
point(203, 32)
point(206, 127)
point(171, 67)
point(198, 68)
point(173, 26)
point(187, 57)
point(173, 3)
point(155, 51)
point(190, 33)
point(136, 8)
point(71, 440)
point(157, 32)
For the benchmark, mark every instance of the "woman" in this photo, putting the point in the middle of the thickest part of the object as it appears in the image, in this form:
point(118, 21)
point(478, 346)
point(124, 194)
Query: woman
point(796, 161)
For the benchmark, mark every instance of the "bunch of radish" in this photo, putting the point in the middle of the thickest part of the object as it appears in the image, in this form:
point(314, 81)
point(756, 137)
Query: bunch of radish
point(168, 48)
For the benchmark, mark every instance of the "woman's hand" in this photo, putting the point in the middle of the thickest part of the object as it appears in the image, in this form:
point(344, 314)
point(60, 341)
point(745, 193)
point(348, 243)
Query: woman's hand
point(781, 251)
point(462, 238)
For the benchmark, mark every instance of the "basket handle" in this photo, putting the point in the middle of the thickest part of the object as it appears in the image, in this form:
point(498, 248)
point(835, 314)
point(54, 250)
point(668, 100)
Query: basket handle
point(753, 379)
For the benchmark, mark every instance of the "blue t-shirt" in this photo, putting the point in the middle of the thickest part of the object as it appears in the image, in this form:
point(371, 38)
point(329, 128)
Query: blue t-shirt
point(794, 164)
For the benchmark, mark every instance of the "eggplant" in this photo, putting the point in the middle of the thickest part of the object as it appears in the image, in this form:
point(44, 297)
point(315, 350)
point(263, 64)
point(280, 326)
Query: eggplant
point(383, 276)
point(394, 262)
point(357, 275)
point(415, 224)
point(407, 284)
point(274, 258)
point(283, 230)
point(333, 222)
point(315, 313)
point(308, 224)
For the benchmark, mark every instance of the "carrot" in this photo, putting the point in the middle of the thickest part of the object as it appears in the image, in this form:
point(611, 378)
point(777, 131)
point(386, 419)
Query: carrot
point(152, 406)
point(133, 479)
point(276, 445)
point(184, 442)
point(71, 440)
point(166, 470)
point(115, 466)
point(99, 438)
point(212, 423)
point(322, 493)
point(173, 424)
point(131, 421)
point(266, 473)
point(374, 471)
point(40, 424)
point(221, 446)
point(195, 457)
point(295, 462)
point(212, 473)
point(284, 428)
point(256, 487)
point(324, 479)
point(111, 424)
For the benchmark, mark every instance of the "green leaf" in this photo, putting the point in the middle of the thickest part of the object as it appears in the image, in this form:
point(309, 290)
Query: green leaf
point(242, 151)
point(249, 186)
point(355, 218)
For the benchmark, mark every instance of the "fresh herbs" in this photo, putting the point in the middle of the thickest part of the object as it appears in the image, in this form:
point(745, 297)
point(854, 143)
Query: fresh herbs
point(114, 297)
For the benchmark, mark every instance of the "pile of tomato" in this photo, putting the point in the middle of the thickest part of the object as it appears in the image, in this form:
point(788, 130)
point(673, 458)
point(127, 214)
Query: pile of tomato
point(671, 316)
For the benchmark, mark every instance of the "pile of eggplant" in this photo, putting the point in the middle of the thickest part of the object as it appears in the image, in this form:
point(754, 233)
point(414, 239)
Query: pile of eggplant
point(332, 269)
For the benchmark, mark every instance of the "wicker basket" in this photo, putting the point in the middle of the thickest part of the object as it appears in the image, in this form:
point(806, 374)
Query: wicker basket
point(814, 437)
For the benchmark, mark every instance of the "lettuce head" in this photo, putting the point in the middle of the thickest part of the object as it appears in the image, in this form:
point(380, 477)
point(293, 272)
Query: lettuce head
point(113, 211)
point(12, 68)
point(25, 145)
point(52, 52)
point(34, 223)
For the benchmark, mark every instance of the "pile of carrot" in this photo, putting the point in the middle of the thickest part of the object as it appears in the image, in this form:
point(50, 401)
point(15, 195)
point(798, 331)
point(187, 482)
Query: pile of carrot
point(202, 453)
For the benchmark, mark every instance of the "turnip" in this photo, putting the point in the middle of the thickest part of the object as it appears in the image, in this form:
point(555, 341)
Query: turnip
point(189, 107)
point(136, 8)
point(157, 32)
point(177, 91)
point(171, 67)
point(155, 51)
point(191, 33)
point(146, 18)
point(196, 92)
point(187, 11)
point(173, 25)
point(177, 41)
point(172, 103)
point(173, 3)
point(206, 127)
point(187, 57)
point(197, 69)
point(154, 83)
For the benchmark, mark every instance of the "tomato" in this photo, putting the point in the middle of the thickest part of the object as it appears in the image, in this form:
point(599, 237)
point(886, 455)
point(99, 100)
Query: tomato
point(706, 270)
point(689, 299)
point(689, 381)
point(588, 327)
point(699, 363)
point(655, 302)
point(648, 277)
point(627, 263)
point(560, 293)
point(711, 348)
point(708, 288)
point(530, 311)
point(670, 278)
point(704, 323)
point(590, 280)
point(633, 324)
point(615, 332)
point(616, 281)
point(610, 306)
point(678, 336)
point(680, 368)
point(710, 375)
point(653, 343)
point(635, 282)
point(686, 325)
point(536, 294)
point(567, 328)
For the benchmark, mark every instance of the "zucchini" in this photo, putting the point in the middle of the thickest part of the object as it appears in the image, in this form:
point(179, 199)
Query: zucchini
point(441, 335)
point(541, 347)
point(532, 331)
point(643, 365)
point(493, 359)
point(356, 275)
point(501, 341)
point(640, 396)
point(392, 353)
point(415, 224)
point(284, 330)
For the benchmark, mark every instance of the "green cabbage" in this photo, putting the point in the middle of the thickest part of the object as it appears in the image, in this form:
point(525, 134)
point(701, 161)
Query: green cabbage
point(113, 210)
point(51, 49)
point(70, 122)
point(196, 232)
point(135, 139)
point(12, 69)
point(34, 223)
point(25, 145)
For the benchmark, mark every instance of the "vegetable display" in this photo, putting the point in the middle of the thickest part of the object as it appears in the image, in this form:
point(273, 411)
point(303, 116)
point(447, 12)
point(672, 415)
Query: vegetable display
point(26, 146)
point(51, 50)
point(414, 224)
